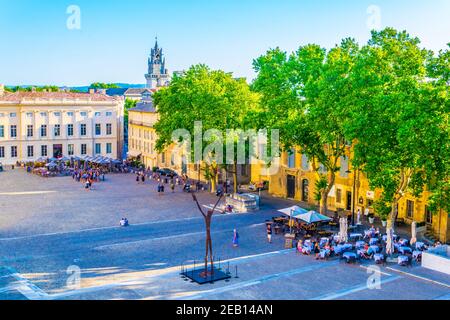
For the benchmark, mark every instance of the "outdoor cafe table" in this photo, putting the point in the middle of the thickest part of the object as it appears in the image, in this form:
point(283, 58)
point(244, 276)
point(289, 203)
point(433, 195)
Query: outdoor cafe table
point(375, 249)
point(402, 260)
point(277, 229)
point(349, 256)
point(416, 254)
point(404, 250)
point(341, 248)
point(360, 244)
point(385, 237)
point(356, 236)
point(378, 257)
point(420, 246)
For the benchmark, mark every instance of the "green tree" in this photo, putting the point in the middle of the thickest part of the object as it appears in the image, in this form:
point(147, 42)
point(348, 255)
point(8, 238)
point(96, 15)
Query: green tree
point(101, 85)
point(398, 119)
point(305, 96)
point(213, 97)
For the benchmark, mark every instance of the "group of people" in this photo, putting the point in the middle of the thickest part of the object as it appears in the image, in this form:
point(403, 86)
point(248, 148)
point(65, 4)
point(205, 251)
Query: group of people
point(88, 176)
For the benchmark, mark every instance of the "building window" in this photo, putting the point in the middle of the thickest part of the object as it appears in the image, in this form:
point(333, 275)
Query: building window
point(109, 129)
point(428, 215)
point(70, 114)
point(29, 115)
point(291, 159)
point(2, 131)
point(83, 149)
point(44, 130)
point(83, 129)
point(43, 114)
point(305, 162)
point(13, 131)
point(30, 151)
point(2, 115)
point(2, 152)
point(98, 129)
point(70, 130)
point(172, 160)
point(29, 130)
point(44, 152)
point(57, 114)
point(109, 148)
point(13, 115)
point(70, 149)
point(57, 130)
point(163, 157)
point(343, 171)
point(83, 114)
point(409, 209)
point(98, 148)
point(109, 114)
point(98, 114)
point(14, 152)
point(338, 195)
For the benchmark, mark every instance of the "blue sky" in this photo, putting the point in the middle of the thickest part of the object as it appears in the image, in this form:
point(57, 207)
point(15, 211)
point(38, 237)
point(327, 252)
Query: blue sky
point(116, 36)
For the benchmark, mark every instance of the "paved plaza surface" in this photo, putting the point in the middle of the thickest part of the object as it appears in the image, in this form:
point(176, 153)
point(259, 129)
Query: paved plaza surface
point(51, 227)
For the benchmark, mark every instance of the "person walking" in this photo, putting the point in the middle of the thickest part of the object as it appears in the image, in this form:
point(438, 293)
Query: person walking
point(235, 238)
point(269, 233)
point(172, 186)
point(143, 178)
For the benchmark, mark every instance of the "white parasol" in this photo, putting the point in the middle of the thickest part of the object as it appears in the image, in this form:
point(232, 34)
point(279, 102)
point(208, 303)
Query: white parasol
point(343, 232)
point(413, 233)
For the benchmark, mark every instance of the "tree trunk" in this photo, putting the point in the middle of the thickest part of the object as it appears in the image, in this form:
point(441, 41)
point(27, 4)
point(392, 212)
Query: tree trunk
point(235, 178)
point(325, 192)
point(393, 215)
point(213, 184)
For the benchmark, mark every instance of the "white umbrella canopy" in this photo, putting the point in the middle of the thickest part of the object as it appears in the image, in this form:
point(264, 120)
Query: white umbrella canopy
point(312, 217)
point(413, 232)
point(292, 211)
point(389, 241)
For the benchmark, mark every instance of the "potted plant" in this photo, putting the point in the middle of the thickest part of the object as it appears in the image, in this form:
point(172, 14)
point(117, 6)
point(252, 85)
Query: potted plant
point(383, 210)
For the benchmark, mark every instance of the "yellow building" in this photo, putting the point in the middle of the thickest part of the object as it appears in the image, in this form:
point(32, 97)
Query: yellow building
point(295, 179)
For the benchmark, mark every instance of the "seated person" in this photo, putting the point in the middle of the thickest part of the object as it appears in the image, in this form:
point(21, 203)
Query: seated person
point(124, 222)
point(299, 246)
point(367, 253)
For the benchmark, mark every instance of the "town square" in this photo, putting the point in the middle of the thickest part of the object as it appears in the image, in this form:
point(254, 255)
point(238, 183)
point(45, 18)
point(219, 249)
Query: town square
point(308, 165)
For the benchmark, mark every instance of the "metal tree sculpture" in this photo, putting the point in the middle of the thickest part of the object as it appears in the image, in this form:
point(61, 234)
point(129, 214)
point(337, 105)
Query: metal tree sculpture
point(208, 217)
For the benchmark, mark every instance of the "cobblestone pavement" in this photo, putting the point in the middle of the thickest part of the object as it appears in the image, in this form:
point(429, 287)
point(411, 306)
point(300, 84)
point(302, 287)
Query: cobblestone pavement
point(51, 228)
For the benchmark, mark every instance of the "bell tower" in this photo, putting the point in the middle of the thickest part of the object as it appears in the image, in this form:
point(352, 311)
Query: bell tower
point(158, 75)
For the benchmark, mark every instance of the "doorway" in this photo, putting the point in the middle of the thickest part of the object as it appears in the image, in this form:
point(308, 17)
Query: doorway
point(349, 201)
point(57, 151)
point(290, 186)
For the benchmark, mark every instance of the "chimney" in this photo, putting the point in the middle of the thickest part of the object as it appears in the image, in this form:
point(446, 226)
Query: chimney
point(2, 89)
